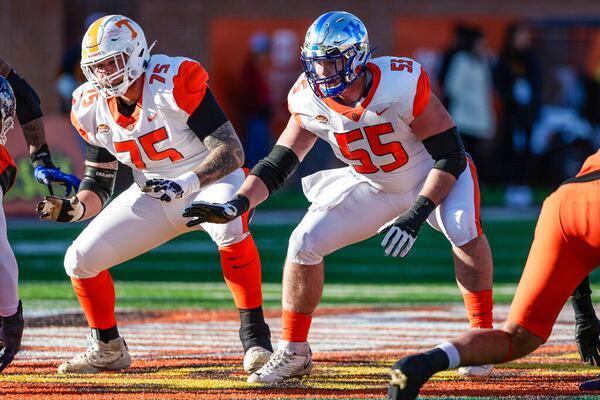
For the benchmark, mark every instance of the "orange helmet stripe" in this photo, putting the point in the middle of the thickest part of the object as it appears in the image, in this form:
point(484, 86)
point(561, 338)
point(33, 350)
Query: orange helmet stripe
point(92, 35)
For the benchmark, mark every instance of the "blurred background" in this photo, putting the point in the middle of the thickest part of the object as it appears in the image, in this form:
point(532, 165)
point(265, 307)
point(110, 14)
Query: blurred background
point(521, 78)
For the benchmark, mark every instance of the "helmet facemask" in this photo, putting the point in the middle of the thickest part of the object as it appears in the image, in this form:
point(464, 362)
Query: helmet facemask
point(118, 39)
point(8, 105)
point(344, 65)
point(115, 84)
point(335, 53)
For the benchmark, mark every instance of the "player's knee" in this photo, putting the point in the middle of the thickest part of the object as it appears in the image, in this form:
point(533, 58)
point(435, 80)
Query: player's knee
point(461, 227)
point(75, 264)
point(523, 340)
point(305, 248)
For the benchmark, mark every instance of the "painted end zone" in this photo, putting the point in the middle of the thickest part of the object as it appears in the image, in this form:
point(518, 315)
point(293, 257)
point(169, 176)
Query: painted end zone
point(196, 354)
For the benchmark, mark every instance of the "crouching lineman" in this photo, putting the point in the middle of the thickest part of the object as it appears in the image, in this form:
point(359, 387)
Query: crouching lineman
point(157, 115)
point(17, 97)
point(565, 250)
point(406, 166)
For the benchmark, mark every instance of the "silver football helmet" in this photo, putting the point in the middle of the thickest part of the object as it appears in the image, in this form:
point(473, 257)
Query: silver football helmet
point(8, 108)
point(335, 52)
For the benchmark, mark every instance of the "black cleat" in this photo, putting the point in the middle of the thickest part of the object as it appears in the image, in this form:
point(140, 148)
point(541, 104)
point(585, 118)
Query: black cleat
point(11, 333)
point(407, 377)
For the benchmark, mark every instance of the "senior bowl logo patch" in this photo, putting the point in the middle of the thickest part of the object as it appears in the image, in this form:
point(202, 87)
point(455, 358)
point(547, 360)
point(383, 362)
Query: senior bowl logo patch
point(103, 129)
point(322, 119)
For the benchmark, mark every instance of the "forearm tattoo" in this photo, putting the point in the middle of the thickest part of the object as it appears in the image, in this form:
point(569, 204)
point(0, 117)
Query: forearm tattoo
point(226, 155)
point(34, 133)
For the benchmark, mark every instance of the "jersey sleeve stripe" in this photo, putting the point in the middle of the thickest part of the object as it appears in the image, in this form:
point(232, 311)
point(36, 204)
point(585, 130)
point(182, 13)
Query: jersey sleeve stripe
point(422, 96)
point(79, 128)
point(296, 116)
point(189, 86)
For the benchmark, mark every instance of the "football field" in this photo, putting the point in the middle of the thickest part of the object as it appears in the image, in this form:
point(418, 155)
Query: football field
point(178, 318)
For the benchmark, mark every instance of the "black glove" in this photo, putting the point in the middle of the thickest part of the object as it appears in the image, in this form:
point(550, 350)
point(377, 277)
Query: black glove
point(402, 232)
point(11, 333)
point(217, 213)
point(42, 158)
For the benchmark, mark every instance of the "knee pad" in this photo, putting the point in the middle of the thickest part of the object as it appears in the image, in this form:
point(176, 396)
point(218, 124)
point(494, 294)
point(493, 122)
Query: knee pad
point(305, 248)
point(461, 227)
point(75, 264)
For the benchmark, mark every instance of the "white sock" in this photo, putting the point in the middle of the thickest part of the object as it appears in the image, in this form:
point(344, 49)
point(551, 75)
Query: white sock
point(452, 353)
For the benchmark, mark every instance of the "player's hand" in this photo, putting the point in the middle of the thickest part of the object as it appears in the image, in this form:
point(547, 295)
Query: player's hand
point(47, 173)
point(11, 333)
point(587, 337)
point(61, 209)
point(48, 176)
point(400, 237)
point(171, 189)
point(216, 213)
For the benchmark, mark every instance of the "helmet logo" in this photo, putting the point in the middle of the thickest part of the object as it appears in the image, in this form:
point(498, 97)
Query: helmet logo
point(125, 22)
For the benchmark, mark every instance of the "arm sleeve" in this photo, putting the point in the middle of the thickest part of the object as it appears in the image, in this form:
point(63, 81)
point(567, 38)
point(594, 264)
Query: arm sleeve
point(207, 117)
point(97, 154)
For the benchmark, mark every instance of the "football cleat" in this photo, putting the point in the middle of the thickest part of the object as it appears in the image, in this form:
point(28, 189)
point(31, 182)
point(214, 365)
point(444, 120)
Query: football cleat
point(11, 333)
point(476, 371)
point(407, 376)
point(255, 358)
point(291, 360)
point(99, 357)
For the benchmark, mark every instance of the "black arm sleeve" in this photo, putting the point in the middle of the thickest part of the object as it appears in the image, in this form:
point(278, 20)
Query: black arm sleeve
point(28, 102)
point(207, 117)
point(274, 169)
point(97, 154)
point(448, 151)
point(100, 181)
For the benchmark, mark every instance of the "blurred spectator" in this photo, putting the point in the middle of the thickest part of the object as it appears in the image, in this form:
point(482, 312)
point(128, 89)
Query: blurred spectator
point(517, 78)
point(69, 75)
point(255, 97)
point(468, 86)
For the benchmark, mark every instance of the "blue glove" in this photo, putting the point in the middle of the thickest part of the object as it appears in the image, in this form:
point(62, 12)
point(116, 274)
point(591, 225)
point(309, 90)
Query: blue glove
point(46, 172)
point(47, 176)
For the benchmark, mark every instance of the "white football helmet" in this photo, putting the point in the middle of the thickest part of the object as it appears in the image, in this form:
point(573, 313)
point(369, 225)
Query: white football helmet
point(8, 107)
point(340, 39)
point(119, 38)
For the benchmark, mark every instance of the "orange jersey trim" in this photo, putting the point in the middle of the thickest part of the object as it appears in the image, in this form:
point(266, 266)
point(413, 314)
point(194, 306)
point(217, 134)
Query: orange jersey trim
point(189, 86)
point(119, 118)
point(355, 113)
point(477, 198)
point(422, 96)
point(5, 159)
point(77, 125)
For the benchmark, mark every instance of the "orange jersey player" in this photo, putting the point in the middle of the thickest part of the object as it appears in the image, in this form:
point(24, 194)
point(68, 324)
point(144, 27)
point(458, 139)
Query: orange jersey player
point(156, 114)
point(565, 249)
point(19, 100)
point(405, 166)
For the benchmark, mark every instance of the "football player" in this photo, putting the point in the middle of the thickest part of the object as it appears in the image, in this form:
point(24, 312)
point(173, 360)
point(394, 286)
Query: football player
point(565, 249)
point(406, 166)
point(19, 99)
point(157, 115)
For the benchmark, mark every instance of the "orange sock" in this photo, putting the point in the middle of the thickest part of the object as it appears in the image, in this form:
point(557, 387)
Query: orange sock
point(97, 298)
point(479, 307)
point(295, 326)
point(241, 269)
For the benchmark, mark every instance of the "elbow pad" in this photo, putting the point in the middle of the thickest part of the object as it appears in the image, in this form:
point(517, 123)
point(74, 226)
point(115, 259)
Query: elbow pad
point(447, 150)
point(274, 169)
point(28, 102)
point(100, 181)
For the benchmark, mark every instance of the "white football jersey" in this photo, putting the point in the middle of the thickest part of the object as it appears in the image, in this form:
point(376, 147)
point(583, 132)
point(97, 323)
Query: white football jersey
point(373, 137)
point(156, 140)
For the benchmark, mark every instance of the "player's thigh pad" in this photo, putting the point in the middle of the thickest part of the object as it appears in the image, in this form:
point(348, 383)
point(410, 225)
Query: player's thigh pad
point(130, 225)
point(458, 217)
point(359, 215)
point(221, 192)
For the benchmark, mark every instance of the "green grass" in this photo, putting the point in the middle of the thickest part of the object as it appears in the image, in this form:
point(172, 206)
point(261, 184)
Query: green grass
point(194, 258)
point(173, 295)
